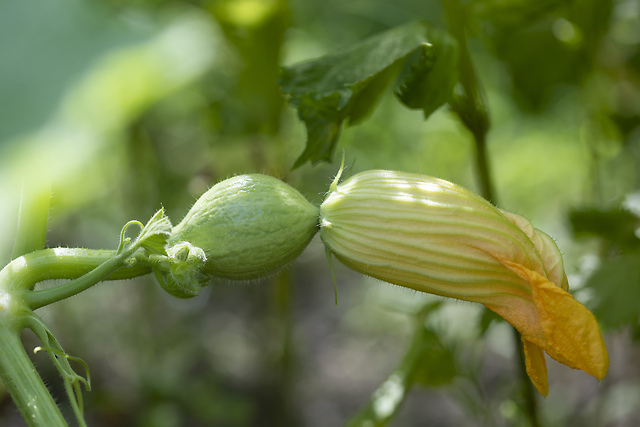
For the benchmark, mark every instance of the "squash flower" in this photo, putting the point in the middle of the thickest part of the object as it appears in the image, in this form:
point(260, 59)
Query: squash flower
point(434, 236)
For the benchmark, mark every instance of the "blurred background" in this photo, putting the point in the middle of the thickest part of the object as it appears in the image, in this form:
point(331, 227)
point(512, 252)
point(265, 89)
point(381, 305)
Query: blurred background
point(116, 108)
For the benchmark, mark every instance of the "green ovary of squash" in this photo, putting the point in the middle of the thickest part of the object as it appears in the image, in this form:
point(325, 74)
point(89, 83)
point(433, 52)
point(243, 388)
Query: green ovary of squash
point(249, 226)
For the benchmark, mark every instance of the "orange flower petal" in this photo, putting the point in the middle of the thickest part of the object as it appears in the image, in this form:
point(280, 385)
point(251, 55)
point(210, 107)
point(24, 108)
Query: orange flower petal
point(536, 366)
point(571, 333)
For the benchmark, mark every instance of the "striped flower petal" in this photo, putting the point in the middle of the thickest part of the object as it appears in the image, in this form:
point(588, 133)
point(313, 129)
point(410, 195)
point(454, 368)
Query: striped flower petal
point(433, 236)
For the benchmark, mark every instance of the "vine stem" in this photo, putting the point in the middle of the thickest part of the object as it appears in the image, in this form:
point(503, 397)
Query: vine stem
point(471, 107)
point(22, 380)
point(63, 263)
point(37, 299)
point(17, 299)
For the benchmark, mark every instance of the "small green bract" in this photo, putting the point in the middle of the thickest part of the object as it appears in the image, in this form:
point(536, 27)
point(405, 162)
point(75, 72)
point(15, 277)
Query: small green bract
point(249, 226)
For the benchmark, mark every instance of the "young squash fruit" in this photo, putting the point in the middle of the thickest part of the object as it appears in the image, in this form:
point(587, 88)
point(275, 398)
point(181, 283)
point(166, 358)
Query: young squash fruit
point(248, 226)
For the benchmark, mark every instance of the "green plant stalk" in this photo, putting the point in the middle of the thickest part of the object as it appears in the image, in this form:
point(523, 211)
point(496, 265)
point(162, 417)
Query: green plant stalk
point(62, 263)
point(17, 279)
point(473, 112)
point(486, 186)
point(37, 299)
point(22, 380)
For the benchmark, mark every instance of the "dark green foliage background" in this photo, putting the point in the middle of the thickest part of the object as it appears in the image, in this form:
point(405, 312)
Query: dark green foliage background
point(129, 106)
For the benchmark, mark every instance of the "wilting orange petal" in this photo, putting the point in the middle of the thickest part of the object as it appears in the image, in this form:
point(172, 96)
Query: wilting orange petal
point(571, 333)
point(570, 330)
point(536, 366)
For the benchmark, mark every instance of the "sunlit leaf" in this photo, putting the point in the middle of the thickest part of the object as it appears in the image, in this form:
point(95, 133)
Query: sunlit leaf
point(344, 87)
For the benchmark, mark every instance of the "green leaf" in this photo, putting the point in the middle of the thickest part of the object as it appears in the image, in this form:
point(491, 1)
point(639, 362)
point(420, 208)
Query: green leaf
point(427, 362)
point(155, 234)
point(487, 319)
point(436, 365)
point(616, 286)
point(616, 225)
point(432, 77)
point(345, 86)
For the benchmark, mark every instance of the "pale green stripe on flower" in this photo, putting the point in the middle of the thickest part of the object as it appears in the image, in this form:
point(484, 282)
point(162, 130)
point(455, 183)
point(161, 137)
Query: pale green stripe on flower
point(434, 236)
point(392, 197)
point(437, 236)
point(421, 269)
point(485, 237)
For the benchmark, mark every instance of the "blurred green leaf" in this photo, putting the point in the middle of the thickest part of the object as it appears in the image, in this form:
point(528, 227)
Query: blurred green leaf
point(528, 53)
point(432, 76)
point(514, 14)
point(427, 362)
point(256, 29)
point(436, 366)
point(487, 319)
point(45, 48)
point(33, 216)
point(616, 225)
point(616, 285)
point(345, 86)
point(545, 44)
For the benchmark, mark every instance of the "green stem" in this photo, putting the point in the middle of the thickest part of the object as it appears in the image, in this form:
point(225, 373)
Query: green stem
point(528, 393)
point(482, 166)
point(470, 104)
point(37, 299)
point(22, 380)
point(62, 263)
point(472, 110)
point(18, 300)
point(60, 360)
point(87, 267)
point(284, 360)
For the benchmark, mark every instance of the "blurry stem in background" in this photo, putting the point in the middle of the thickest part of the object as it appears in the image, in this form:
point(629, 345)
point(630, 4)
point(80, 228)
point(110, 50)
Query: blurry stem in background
point(283, 361)
point(469, 104)
point(32, 216)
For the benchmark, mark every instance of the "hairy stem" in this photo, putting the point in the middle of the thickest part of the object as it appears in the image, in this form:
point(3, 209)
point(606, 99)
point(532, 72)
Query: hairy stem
point(37, 299)
point(22, 380)
point(62, 263)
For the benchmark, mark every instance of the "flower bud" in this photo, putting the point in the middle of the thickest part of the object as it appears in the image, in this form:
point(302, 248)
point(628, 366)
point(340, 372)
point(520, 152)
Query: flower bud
point(433, 236)
point(248, 226)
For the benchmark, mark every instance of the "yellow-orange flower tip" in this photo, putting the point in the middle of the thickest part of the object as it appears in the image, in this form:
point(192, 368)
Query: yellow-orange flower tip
point(570, 331)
